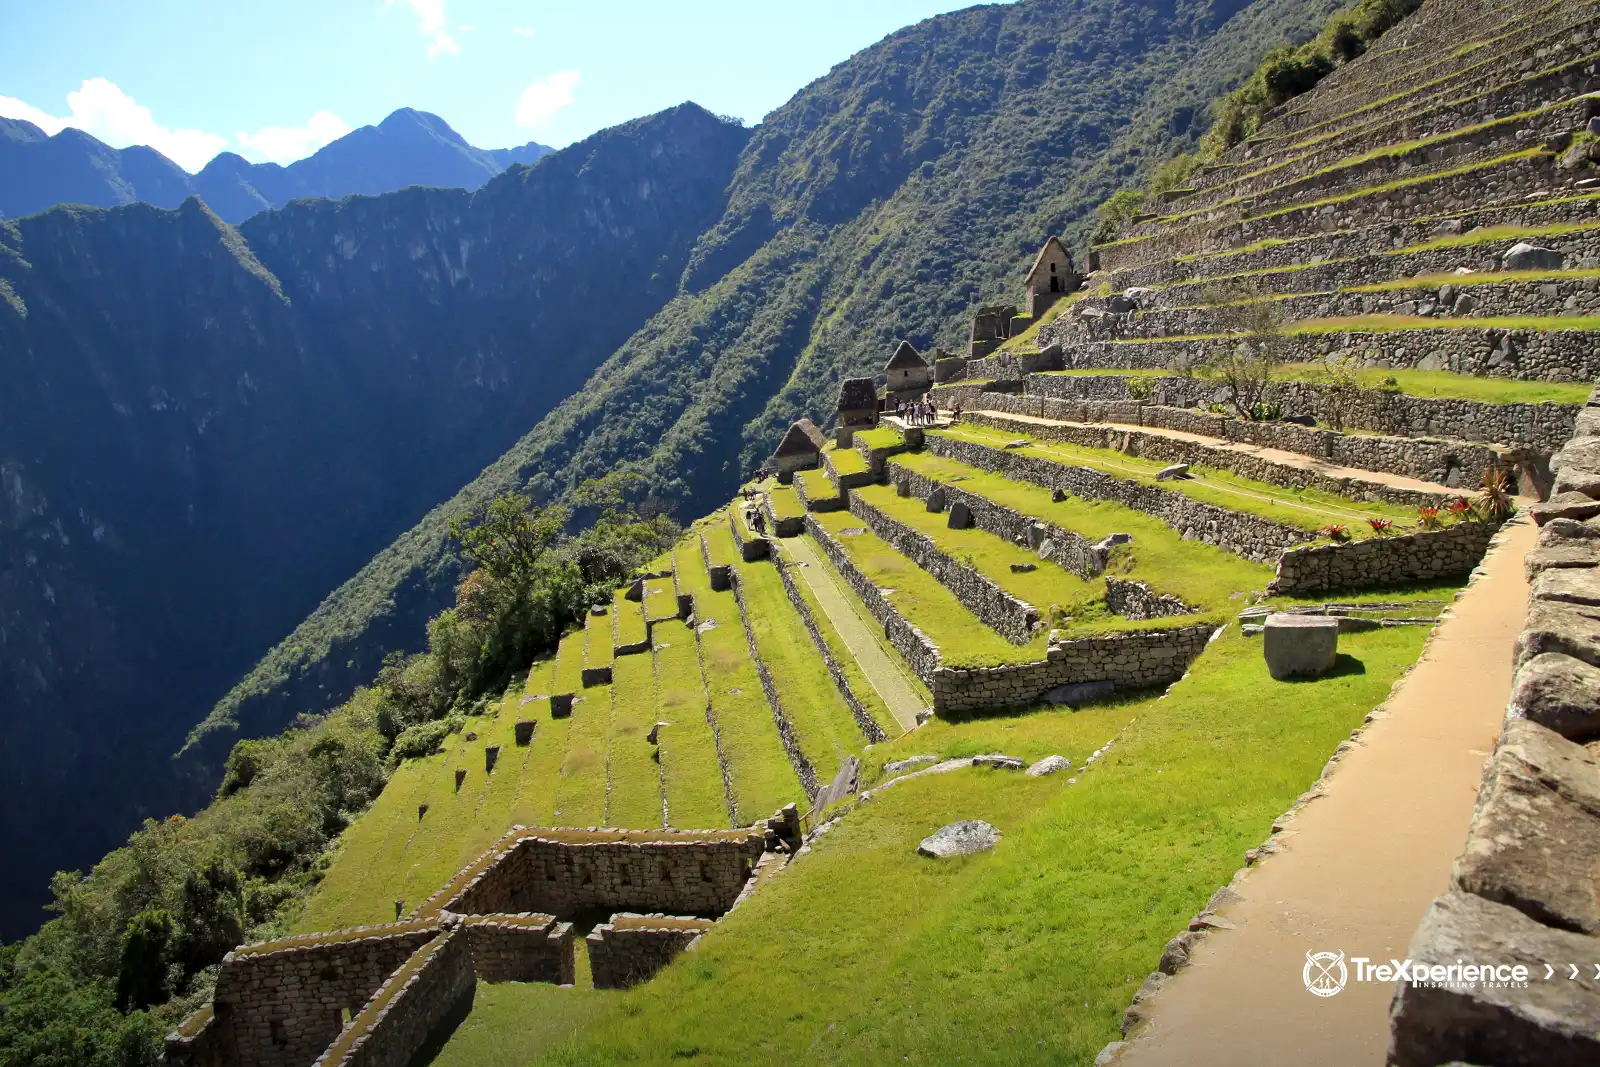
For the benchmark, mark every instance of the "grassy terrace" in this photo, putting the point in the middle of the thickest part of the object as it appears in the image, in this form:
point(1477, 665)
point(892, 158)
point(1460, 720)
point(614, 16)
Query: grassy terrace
point(786, 502)
point(568, 676)
point(1032, 951)
point(758, 769)
point(1425, 383)
point(690, 773)
point(1485, 234)
point(628, 624)
point(881, 437)
point(823, 725)
point(597, 637)
point(659, 601)
point(816, 484)
point(844, 460)
point(580, 798)
point(927, 605)
point(1307, 509)
point(633, 789)
point(1200, 574)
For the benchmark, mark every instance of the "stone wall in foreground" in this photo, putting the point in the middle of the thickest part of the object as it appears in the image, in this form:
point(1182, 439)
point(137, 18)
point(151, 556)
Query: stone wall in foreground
point(1412, 557)
point(399, 1018)
point(1523, 890)
point(631, 948)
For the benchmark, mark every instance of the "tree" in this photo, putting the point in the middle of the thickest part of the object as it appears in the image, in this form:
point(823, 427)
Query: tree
point(142, 974)
point(507, 537)
point(1243, 361)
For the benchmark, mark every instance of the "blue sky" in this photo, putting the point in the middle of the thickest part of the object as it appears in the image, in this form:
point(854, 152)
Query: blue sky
point(276, 81)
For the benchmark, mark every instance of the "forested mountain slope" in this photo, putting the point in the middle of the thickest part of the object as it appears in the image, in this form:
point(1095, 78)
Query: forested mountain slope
point(204, 429)
point(884, 201)
point(38, 171)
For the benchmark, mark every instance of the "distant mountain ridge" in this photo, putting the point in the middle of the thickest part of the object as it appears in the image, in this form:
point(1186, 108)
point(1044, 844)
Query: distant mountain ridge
point(38, 171)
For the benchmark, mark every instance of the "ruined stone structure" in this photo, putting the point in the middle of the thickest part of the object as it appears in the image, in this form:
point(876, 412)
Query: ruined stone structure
point(1052, 276)
point(858, 409)
point(990, 326)
point(630, 948)
point(800, 449)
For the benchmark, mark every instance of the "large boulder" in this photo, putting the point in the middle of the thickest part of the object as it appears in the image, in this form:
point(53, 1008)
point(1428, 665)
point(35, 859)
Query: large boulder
point(1569, 505)
point(1300, 646)
point(1535, 833)
point(965, 838)
point(1524, 256)
point(960, 516)
point(1049, 765)
point(1560, 693)
point(1542, 1023)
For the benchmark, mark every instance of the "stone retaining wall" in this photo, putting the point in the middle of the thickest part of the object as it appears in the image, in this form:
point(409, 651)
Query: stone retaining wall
point(1133, 660)
point(1164, 449)
point(1522, 891)
point(520, 948)
point(918, 650)
point(1244, 535)
point(1011, 365)
point(1011, 617)
point(874, 733)
point(1413, 557)
point(681, 872)
point(791, 744)
point(400, 1017)
point(624, 956)
point(1136, 600)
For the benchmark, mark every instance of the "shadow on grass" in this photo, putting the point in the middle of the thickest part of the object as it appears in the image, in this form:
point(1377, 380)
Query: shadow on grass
point(1343, 665)
point(445, 1028)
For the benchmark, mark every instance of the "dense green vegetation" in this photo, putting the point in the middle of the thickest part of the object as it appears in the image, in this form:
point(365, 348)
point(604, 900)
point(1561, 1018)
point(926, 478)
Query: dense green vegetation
point(146, 927)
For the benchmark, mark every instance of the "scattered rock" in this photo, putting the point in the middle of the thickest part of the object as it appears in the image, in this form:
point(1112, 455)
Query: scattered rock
point(1565, 506)
point(1300, 420)
point(1177, 470)
point(1175, 957)
point(1024, 568)
point(960, 516)
point(1058, 495)
point(1299, 646)
point(935, 499)
point(899, 765)
point(1108, 1053)
point(1018, 443)
point(600, 609)
point(706, 627)
point(1577, 480)
point(1556, 531)
point(1080, 693)
point(654, 736)
point(1569, 629)
point(998, 762)
point(1049, 765)
point(1572, 585)
point(1524, 256)
point(1136, 1012)
point(965, 838)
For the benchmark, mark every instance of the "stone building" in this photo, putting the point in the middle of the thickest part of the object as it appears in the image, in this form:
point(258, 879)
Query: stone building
point(908, 372)
point(990, 326)
point(858, 407)
point(1053, 275)
point(800, 449)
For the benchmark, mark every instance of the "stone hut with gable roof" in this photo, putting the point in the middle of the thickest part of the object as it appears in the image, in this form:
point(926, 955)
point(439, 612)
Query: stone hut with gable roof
point(1053, 276)
point(858, 409)
point(908, 372)
point(800, 449)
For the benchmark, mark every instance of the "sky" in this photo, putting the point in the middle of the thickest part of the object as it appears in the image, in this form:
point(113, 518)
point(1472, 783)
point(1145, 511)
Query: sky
point(276, 81)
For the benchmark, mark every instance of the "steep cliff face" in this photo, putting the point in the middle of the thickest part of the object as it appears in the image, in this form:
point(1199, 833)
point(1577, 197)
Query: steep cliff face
point(883, 202)
point(205, 429)
point(407, 148)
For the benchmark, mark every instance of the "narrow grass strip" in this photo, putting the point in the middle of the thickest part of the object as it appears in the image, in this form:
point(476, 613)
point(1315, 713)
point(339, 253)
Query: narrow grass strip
point(633, 795)
point(659, 600)
point(628, 620)
point(691, 773)
point(568, 677)
point(581, 788)
point(597, 641)
point(786, 502)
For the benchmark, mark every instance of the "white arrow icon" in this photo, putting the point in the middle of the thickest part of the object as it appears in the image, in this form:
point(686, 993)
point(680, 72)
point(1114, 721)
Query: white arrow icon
point(1549, 971)
point(1574, 973)
point(1597, 970)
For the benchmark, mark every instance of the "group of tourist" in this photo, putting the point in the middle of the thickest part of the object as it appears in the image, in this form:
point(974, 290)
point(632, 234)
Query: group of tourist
point(921, 412)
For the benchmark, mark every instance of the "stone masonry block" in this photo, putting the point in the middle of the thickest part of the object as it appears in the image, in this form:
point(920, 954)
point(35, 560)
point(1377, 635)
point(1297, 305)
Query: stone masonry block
point(1300, 646)
point(1560, 693)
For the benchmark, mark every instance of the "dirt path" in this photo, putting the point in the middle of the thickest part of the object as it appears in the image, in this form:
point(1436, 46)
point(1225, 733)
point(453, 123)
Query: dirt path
point(1363, 862)
point(1275, 455)
point(885, 674)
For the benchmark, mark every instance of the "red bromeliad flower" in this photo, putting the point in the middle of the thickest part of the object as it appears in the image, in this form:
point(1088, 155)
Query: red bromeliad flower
point(1381, 525)
point(1338, 533)
point(1458, 505)
point(1428, 517)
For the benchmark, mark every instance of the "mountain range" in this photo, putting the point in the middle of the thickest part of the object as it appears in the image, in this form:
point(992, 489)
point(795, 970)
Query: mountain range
point(209, 428)
point(38, 171)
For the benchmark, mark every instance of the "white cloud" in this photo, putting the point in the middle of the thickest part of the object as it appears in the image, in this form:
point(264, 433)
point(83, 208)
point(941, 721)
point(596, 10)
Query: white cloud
point(431, 24)
point(543, 99)
point(100, 108)
point(522, 31)
point(285, 144)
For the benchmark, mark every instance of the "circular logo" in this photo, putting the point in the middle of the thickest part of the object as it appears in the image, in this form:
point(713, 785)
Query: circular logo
point(1324, 973)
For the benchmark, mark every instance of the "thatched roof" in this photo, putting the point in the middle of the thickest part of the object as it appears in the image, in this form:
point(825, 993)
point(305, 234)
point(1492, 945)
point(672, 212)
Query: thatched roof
point(803, 438)
point(857, 394)
point(906, 357)
point(1039, 260)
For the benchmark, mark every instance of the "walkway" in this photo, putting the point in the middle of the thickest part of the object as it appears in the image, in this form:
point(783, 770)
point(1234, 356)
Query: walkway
point(887, 676)
point(1363, 861)
point(1275, 455)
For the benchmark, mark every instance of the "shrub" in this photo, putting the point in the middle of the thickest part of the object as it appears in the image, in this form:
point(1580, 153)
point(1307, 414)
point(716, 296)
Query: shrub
point(1336, 532)
point(1381, 526)
point(1494, 499)
point(1140, 388)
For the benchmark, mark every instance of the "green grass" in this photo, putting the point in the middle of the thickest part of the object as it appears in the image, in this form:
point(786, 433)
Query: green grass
point(817, 485)
point(569, 663)
point(690, 772)
point(629, 620)
point(927, 605)
point(544, 1016)
point(823, 726)
point(786, 502)
point(580, 798)
point(761, 776)
point(881, 437)
point(1395, 323)
point(1426, 383)
point(597, 636)
point(860, 685)
point(1434, 281)
point(844, 460)
point(1202, 575)
point(659, 600)
point(1306, 509)
point(1404, 183)
point(633, 792)
point(1030, 953)
point(541, 770)
point(1496, 234)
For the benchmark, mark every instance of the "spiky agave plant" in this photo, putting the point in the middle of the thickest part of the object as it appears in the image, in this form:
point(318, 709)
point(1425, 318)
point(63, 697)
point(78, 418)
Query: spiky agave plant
point(1494, 499)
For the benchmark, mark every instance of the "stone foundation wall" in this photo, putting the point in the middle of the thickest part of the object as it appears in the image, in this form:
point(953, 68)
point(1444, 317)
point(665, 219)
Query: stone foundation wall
point(1015, 364)
point(520, 948)
point(1133, 660)
point(684, 873)
point(1136, 600)
point(1412, 557)
point(195, 1042)
point(1011, 617)
point(1163, 449)
point(623, 956)
point(279, 1004)
point(1522, 891)
point(1244, 535)
point(400, 1017)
